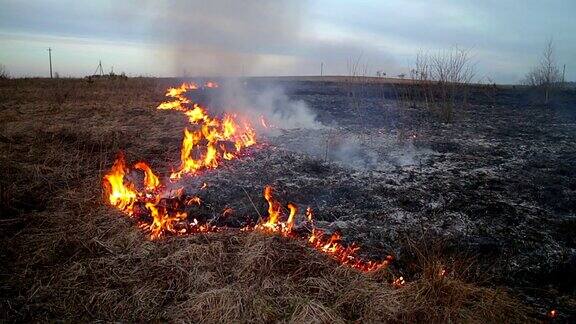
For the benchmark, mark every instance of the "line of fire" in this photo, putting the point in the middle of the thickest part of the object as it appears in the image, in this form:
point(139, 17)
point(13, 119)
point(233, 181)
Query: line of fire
point(162, 208)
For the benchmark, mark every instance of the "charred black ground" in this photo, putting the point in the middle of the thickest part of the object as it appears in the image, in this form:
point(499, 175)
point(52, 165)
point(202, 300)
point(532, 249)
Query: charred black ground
point(498, 183)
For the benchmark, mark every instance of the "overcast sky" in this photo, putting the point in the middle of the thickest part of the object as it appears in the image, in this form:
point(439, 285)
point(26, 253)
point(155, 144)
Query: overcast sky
point(280, 37)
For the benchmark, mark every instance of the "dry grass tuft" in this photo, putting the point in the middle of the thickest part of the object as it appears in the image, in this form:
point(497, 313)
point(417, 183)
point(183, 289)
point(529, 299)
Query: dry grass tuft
point(69, 257)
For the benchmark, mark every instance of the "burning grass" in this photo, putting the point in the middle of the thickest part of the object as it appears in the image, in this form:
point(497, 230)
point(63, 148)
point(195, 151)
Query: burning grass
point(161, 210)
point(69, 257)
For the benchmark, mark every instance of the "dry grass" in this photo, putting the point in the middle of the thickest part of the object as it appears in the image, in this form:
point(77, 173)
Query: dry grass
point(67, 256)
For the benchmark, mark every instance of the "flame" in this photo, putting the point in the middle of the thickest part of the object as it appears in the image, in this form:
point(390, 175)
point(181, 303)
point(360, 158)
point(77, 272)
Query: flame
point(290, 222)
point(552, 313)
point(331, 245)
point(178, 95)
point(211, 84)
point(162, 221)
point(151, 181)
point(273, 210)
point(120, 194)
point(398, 282)
point(206, 143)
point(194, 200)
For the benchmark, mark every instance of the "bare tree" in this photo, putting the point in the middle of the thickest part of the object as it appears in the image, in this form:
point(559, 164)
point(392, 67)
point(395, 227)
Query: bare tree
point(546, 74)
point(4, 74)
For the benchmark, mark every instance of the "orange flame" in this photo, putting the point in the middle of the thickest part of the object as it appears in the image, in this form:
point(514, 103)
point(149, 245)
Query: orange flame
point(163, 222)
point(121, 195)
point(399, 282)
point(206, 145)
point(331, 245)
point(273, 210)
point(291, 218)
point(151, 181)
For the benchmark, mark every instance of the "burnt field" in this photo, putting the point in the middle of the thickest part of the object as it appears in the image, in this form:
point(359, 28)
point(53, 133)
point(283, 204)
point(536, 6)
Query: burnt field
point(487, 200)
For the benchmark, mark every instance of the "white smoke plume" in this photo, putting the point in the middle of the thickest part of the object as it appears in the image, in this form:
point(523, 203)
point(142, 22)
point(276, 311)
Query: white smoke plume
point(229, 37)
point(267, 107)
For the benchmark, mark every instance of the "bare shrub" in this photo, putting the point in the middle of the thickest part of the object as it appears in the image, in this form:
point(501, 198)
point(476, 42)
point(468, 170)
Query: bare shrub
point(546, 75)
point(356, 81)
point(443, 80)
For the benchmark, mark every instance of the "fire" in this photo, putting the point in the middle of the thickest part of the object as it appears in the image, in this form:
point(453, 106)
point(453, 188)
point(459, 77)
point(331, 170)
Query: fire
point(399, 282)
point(206, 144)
point(210, 140)
point(309, 214)
point(331, 245)
point(120, 194)
point(274, 223)
point(211, 84)
point(290, 222)
point(178, 94)
point(273, 211)
point(151, 181)
point(163, 222)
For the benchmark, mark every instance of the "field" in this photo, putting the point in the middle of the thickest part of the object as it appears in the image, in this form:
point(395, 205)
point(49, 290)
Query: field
point(478, 213)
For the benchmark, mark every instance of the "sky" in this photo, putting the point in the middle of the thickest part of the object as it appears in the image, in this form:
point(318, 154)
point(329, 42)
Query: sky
point(281, 37)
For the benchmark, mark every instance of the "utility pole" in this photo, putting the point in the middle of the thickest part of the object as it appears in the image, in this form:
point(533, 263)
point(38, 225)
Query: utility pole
point(50, 59)
point(563, 73)
point(321, 68)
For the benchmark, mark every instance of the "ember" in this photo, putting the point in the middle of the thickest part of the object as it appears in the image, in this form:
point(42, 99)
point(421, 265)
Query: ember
point(206, 144)
point(552, 313)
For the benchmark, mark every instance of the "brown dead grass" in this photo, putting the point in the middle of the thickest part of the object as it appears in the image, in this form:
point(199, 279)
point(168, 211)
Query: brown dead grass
point(67, 256)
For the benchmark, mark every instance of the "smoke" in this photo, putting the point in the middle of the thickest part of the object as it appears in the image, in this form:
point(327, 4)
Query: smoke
point(351, 152)
point(230, 37)
point(361, 151)
point(383, 154)
point(268, 107)
point(281, 112)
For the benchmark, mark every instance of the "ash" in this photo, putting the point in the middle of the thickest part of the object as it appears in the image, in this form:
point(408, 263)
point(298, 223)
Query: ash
point(498, 183)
